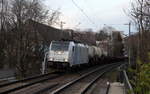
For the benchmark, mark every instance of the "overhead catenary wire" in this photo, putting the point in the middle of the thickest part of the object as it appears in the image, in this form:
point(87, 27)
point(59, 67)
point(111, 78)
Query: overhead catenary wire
point(90, 20)
point(83, 12)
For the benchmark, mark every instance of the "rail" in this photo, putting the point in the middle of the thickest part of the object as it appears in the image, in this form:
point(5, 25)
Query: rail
point(26, 79)
point(96, 79)
point(57, 91)
point(37, 79)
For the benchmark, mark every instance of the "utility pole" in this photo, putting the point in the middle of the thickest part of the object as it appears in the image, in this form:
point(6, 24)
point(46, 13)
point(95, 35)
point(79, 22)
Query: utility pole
point(129, 43)
point(61, 27)
point(129, 49)
point(2, 24)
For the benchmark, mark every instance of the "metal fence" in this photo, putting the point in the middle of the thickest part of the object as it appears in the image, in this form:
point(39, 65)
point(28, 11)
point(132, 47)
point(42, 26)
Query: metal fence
point(128, 87)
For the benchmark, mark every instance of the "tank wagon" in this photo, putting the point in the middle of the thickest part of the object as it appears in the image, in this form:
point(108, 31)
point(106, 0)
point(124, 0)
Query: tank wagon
point(70, 54)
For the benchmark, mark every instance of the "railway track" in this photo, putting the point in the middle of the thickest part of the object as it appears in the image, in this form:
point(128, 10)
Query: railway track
point(35, 85)
point(20, 84)
point(83, 83)
point(49, 83)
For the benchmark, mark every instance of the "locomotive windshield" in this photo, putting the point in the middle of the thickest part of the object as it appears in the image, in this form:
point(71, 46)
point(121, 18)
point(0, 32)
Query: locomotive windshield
point(60, 46)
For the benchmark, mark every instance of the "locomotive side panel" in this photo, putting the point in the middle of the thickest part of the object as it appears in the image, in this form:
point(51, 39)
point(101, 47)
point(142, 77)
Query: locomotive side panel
point(81, 54)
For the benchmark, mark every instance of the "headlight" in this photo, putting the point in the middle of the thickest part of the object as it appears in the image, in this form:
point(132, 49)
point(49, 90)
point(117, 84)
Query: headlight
point(66, 60)
point(59, 52)
point(51, 59)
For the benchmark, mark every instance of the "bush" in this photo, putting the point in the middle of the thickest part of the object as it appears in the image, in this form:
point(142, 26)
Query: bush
point(141, 77)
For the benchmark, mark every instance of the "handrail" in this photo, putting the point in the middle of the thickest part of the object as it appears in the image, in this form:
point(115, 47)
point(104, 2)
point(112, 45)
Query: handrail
point(127, 82)
point(44, 63)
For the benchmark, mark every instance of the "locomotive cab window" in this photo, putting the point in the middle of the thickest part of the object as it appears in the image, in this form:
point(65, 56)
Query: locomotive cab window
point(60, 46)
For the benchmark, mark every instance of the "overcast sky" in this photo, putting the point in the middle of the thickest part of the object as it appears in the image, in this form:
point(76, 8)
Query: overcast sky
point(99, 12)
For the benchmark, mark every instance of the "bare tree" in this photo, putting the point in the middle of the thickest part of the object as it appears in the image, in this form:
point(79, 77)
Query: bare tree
point(102, 35)
point(140, 45)
point(4, 28)
point(53, 17)
point(21, 11)
point(117, 45)
point(23, 45)
point(140, 13)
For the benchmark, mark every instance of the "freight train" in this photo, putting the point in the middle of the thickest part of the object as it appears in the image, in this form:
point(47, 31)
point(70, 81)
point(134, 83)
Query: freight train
point(70, 54)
